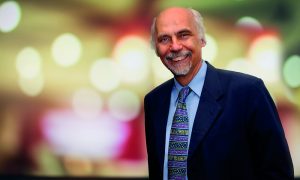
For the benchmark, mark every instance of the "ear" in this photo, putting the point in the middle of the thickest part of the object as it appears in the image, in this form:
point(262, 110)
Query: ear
point(203, 42)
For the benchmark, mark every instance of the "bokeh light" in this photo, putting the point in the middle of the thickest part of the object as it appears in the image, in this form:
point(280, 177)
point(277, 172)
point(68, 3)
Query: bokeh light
point(66, 49)
point(124, 105)
point(266, 52)
point(210, 50)
point(160, 72)
point(132, 54)
point(98, 138)
point(249, 23)
point(105, 74)
point(242, 65)
point(32, 86)
point(28, 63)
point(87, 103)
point(291, 71)
point(10, 16)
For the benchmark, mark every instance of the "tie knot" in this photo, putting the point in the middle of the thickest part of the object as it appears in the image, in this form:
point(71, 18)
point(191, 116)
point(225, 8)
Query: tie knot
point(184, 92)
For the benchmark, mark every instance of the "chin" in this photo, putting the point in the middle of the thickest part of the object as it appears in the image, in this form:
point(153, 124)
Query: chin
point(181, 72)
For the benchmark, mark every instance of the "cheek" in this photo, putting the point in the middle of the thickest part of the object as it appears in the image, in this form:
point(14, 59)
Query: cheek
point(161, 52)
point(195, 44)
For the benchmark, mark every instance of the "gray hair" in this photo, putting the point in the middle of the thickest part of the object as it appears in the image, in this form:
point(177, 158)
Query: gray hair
point(199, 25)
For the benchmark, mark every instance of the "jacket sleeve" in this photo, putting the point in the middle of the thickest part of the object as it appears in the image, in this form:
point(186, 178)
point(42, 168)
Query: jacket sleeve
point(271, 155)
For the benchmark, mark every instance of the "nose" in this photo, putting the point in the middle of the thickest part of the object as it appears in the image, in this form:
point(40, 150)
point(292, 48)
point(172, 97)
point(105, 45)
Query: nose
point(176, 45)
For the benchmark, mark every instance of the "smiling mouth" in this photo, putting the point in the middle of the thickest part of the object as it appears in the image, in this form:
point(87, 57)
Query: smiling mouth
point(178, 56)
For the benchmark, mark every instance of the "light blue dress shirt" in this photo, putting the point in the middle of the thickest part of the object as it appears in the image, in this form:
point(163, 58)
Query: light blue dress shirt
point(192, 102)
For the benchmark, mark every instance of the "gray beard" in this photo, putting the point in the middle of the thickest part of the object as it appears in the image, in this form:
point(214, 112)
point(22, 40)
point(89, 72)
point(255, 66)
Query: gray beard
point(180, 71)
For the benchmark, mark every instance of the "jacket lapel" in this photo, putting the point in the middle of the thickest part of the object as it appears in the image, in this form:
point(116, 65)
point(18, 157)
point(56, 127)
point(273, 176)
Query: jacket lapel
point(208, 108)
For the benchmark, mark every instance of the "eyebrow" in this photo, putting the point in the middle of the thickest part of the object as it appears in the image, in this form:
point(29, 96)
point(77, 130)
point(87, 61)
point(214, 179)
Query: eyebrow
point(184, 31)
point(176, 33)
point(162, 35)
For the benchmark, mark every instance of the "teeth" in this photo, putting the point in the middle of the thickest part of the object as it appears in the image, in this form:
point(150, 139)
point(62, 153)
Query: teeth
point(179, 58)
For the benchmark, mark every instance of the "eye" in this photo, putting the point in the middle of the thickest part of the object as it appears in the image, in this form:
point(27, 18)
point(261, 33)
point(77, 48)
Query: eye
point(164, 39)
point(184, 35)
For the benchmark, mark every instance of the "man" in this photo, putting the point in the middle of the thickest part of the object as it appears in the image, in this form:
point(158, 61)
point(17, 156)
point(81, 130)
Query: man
point(208, 123)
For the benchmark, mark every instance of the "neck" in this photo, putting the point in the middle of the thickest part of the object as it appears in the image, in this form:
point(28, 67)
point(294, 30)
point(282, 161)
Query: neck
point(184, 80)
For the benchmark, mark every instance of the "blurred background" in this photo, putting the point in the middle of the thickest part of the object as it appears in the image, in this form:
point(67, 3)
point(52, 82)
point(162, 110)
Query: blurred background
point(73, 75)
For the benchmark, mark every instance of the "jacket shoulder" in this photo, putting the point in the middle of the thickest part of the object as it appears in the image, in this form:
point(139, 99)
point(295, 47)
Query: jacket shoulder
point(161, 89)
point(238, 79)
point(237, 76)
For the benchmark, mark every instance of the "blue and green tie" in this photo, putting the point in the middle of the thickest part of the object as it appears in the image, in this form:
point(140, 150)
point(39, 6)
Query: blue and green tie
point(178, 143)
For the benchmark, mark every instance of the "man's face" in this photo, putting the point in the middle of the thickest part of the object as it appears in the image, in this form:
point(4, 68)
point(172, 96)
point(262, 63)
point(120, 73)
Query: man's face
point(177, 42)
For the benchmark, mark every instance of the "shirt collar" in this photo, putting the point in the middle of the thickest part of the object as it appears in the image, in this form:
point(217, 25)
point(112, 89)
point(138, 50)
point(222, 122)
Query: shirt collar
point(197, 82)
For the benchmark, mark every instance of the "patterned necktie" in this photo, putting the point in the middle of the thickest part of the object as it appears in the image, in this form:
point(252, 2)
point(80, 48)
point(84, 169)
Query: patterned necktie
point(178, 143)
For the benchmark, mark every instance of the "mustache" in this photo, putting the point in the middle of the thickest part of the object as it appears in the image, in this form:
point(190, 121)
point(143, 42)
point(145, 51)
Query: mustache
point(172, 55)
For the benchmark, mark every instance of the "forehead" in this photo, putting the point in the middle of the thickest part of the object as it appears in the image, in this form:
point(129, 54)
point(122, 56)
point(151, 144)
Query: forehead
point(174, 20)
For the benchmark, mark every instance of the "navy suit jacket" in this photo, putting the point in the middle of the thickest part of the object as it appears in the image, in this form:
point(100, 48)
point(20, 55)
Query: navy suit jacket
point(237, 133)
